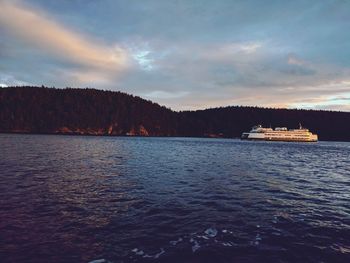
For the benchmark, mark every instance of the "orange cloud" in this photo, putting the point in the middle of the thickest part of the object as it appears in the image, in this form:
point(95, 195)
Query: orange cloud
point(37, 29)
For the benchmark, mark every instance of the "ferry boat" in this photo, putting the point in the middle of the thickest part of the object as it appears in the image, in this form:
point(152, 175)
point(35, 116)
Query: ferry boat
point(280, 134)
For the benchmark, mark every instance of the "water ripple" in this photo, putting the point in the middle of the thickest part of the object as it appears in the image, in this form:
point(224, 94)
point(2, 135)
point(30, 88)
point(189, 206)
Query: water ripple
point(103, 199)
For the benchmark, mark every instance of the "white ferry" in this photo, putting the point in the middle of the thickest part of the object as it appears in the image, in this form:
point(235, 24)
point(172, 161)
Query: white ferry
point(280, 134)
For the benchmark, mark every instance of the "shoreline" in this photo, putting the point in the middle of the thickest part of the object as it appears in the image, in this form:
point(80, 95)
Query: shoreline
point(178, 136)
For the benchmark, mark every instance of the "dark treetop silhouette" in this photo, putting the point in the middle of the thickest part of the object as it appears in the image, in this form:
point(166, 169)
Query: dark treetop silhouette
point(97, 112)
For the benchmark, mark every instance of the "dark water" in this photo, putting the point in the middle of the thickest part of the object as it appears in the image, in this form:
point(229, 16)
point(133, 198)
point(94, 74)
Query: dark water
point(79, 199)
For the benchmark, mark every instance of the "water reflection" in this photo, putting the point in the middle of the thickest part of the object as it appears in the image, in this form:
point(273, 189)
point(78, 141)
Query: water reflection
point(73, 199)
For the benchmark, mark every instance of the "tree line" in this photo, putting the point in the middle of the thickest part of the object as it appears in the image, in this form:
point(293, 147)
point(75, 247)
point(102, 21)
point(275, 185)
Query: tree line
point(97, 112)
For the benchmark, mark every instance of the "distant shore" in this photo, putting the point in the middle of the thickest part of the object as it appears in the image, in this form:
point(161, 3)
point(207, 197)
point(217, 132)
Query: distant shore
point(41, 110)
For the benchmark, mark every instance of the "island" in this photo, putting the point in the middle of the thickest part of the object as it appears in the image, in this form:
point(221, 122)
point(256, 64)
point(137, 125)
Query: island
point(43, 110)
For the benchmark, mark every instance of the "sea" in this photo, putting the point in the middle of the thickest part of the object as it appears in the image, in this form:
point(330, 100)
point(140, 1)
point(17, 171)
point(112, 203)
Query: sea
point(136, 199)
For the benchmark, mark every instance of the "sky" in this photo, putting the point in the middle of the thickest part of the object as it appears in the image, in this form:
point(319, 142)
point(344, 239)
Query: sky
point(184, 54)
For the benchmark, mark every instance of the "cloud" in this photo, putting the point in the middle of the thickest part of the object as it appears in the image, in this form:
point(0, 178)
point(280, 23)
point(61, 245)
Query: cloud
point(159, 94)
point(185, 55)
point(216, 74)
point(9, 80)
point(38, 30)
point(293, 60)
point(249, 48)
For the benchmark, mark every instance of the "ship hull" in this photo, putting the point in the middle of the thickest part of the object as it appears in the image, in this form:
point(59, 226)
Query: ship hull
point(280, 136)
point(277, 140)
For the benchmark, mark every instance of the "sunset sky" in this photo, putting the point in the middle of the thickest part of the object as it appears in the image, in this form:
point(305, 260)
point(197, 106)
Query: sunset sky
point(184, 54)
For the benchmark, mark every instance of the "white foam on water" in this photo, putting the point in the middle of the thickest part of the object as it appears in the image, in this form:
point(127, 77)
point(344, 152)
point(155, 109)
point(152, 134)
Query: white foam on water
point(204, 237)
point(274, 220)
point(227, 244)
point(155, 256)
point(175, 242)
point(258, 237)
point(196, 246)
point(211, 232)
point(138, 252)
point(257, 240)
point(101, 260)
point(341, 248)
point(209, 237)
point(162, 251)
point(254, 243)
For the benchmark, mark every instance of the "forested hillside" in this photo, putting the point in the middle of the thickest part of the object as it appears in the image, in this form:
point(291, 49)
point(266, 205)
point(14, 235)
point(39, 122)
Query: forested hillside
point(232, 121)
point(97, 112)
point(82, 111)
